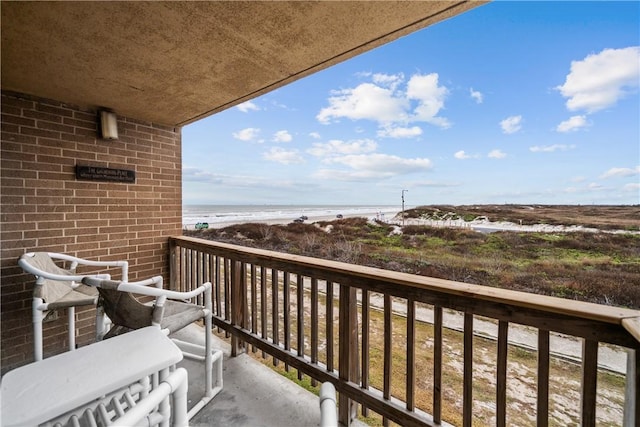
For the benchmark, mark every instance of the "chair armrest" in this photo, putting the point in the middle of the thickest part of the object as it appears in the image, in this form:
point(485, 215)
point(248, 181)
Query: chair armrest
point(24, 262)
point(142, 288)
point(75, 261)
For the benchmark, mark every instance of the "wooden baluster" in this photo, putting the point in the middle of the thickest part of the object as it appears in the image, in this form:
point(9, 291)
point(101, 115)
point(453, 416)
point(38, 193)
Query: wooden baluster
point(467, 380)
point(387, 351)
point(244, 295)
point(501, 374)
point(329, 325)
point(199, 266)
point(216, 290)
point(437, 364)
point(275, 318)
point(314, 325)
point(286, 308)
point(206, 272)
point(254, 304)
point(189, 269)
point(589, 382)
point(411, 354)
point(364, 371)
point(227, 291)
point(263, 305)
point(348, 354)
point(300, 315)
point(632, 389)
point(542, 416)
point(174, 265)
point(238, 302)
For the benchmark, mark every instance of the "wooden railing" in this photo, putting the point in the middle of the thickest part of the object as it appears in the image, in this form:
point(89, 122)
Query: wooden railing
point(363, 330)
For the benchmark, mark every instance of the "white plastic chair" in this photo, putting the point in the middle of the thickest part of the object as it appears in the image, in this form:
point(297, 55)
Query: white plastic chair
point(57, 287)
point(170, 314)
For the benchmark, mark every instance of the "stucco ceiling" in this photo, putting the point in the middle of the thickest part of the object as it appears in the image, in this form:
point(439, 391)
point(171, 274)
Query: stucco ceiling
point(175, 62)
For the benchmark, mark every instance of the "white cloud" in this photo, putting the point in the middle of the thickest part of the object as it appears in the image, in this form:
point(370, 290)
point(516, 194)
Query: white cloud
point(247, 106)
point(373, 166)
point(248, 134)
point(496, 154)
point(632, 186)
point(388, 80)
point(191, 174)
point(430, 97)
point(366, 101)
point(383, 101)
point(399, 132)
point(280, 155)
point(621, 172)
point(315, 135)
point(282, 136)
point(595, 186)
point(461, 155)
point(572, 124)
point(339, 147)
point(551, 148)
point(600, 80)
point(477, 96)
point(511, 124)
point(432, 184)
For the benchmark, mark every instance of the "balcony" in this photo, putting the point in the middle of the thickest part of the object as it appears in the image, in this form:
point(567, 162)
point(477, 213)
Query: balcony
point(401, 348)
point(388, 343)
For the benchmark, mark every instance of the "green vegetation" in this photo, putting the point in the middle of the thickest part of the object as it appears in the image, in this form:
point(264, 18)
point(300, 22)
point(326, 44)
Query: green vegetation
point(597, 267)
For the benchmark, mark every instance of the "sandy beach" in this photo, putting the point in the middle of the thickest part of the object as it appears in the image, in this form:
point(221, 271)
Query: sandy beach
point(385, 215)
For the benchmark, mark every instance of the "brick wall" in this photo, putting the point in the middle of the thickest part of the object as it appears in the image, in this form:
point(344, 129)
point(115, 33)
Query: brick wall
point(45, 208)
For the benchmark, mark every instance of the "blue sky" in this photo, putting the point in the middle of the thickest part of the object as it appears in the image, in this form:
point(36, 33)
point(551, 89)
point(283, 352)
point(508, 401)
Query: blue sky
point(511, 102)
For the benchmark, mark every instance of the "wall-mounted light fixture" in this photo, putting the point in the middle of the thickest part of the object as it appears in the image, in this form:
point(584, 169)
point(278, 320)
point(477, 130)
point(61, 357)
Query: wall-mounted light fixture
point(108, 124)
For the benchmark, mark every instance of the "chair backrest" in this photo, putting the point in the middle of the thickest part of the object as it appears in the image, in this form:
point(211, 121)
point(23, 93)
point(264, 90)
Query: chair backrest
point(125, 310)
point(43, 268)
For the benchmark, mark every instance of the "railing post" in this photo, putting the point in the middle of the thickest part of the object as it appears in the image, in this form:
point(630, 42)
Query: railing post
point(631, 407)
point(174, 249)
point(348, 347)
point(238, 302)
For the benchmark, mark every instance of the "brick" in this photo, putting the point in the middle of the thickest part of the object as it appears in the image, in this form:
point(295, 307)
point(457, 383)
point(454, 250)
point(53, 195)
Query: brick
point(18, 101)
point(42, 116)
point(50, 210)
point(55, 160)
point(83, 124)
point(6, 108)
point(39, 132)
point(56, 126)
point(18, 120)
point(18, 155)
point(24, 139)
point(9, 128)
point(35, 234)
point(57, 143)
point(86, 115)
point(54, 109)
point(39, 149)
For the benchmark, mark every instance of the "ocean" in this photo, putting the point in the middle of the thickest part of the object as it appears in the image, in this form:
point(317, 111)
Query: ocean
point(221, 215)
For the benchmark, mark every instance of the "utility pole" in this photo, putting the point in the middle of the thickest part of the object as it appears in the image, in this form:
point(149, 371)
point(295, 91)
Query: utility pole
point(403, 206)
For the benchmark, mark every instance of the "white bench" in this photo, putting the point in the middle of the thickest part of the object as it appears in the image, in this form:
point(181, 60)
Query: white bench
point(111, 381)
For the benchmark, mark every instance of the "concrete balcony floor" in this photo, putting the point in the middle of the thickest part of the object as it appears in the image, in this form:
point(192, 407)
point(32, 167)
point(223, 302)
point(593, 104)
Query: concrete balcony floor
point(253, 395)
